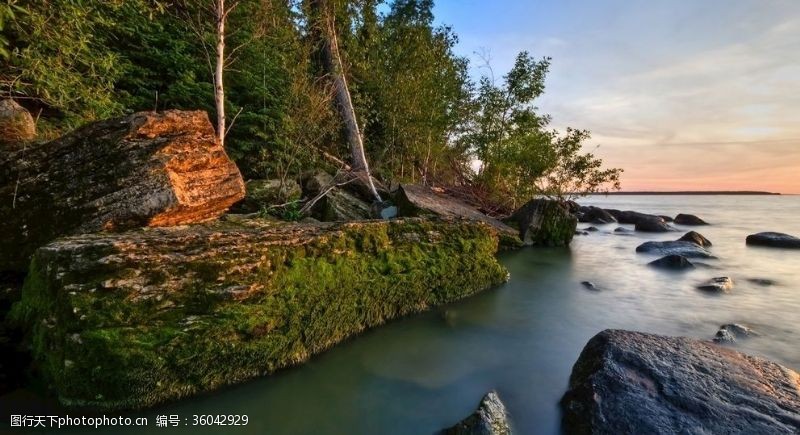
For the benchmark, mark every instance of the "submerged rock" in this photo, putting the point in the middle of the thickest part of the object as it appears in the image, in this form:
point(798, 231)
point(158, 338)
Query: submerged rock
point(689, 219)
point(774, 240)
point(622, 230)
point(763, 282)
point(490, 418)
point(166, 313)
point(589, 285)
point(635, 383)
point(592, 229)
point(146, 169)
point(722, 284)
point(696, 238)
point(676, 262)
point(16, 125)
point(685, 249)
point(545, 222)
point(730, 332)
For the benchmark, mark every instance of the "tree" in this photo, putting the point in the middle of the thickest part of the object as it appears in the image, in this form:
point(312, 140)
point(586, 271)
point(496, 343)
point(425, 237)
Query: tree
point(333, 65)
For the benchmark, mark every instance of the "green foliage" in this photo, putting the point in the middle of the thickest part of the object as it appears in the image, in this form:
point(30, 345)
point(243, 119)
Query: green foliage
point(125, 347)
point(519, 157)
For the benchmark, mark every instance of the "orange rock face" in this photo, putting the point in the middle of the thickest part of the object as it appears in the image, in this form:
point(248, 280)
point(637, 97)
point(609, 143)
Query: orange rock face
point(146, 169)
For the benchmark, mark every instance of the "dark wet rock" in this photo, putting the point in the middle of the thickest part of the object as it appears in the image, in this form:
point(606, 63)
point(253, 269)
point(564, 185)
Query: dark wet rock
point(675, 262)
point(572, 206)
point(696, 238)
point(591, 229)
point(490, 418)
point(689, 219)
point(763, 282)
point(774, 240)
point(730, 332)
point(635, 383)
point(631, 217)
point(589, 285)
point(722, 284)
point(581, 233)
point(595, 215)
point(545, 222)
point(686, 249)
point(652, 225)
point(623, 230)
point(666, 218)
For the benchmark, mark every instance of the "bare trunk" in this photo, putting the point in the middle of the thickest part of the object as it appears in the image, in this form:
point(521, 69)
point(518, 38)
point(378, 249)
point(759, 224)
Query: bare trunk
point(219, 90)
point(334, 67)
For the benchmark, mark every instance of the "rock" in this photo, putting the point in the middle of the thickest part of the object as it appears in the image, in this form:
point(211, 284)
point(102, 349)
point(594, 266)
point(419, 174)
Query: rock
point(490, 418)
point(689, 219)
point(730, 332)
point(722, 284)
point(695, 238)
point(545, 222)
point(589, 285)
point(592, 229)
point(595, 215)
point(685, 249)
point(166, 313)
point(418, 200)
point(146, 169)
point(264, 193)
point(635, 383)
point(339, 205)
point(666, 218)
point(581, 233)
point(572, 206)
point(622, 230)
point(676, 262)
point(632, 217)
point(652, 225)
point(383, 210)
point(774, 240)
point(16, 125)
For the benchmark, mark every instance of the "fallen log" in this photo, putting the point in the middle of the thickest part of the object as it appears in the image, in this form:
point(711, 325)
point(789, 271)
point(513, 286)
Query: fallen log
point(128, 320)
point(146, 169)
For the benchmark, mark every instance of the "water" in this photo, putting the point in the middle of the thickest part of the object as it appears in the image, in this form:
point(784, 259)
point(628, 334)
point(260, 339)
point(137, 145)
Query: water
point(421, 374)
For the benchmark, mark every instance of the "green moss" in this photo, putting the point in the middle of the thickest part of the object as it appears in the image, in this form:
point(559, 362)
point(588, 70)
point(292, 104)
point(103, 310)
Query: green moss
point(177, 331)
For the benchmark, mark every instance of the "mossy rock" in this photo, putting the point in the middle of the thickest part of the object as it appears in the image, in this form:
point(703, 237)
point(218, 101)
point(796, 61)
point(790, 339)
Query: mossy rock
point(129, 320)
point(261, 194)
point(544, 222)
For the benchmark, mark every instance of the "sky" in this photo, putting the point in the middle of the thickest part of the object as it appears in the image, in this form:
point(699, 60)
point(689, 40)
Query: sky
point(682, 94)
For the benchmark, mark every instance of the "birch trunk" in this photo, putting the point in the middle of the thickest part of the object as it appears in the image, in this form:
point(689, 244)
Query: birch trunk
point(219, 89)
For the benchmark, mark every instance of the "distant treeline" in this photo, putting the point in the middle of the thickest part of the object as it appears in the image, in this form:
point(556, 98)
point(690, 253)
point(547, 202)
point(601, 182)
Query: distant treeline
point(697, 192)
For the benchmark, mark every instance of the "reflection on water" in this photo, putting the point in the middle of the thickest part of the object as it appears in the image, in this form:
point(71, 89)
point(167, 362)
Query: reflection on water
point(421, 374)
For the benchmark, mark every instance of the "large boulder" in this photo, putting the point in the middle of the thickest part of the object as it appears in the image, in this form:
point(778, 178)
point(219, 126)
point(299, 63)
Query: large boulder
point(490, 418)
point(146, 169)
point(631, 217)
point(545, 222)
point(696, 238)
point(689, 219)
point(16, 125)
point(635, 383)
point(678, 247)
point(419, 200)
point(261, 194)
point(128, 320)
point(595, 215)
point(673, 262)
point(774, 240)
point(652, 225)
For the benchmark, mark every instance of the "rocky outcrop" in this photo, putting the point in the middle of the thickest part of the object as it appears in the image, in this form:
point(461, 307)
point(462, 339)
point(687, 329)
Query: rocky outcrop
point(146, 169)
point(729, 333)
point(678, 247)
point(261, 194)
point(674, 262)
point(689, 219)
point(490, 418)
point(722, 284)
point(630, 382)
point(652, 225)
point(128, 320)
point(418, 200)
point(545, 222)
point(774, 240)
point(696, 238)
point(631, 217)
point(595, 215)
point(16, 125)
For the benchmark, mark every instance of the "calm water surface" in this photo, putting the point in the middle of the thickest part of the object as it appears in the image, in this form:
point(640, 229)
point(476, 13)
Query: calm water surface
point(421, 374)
